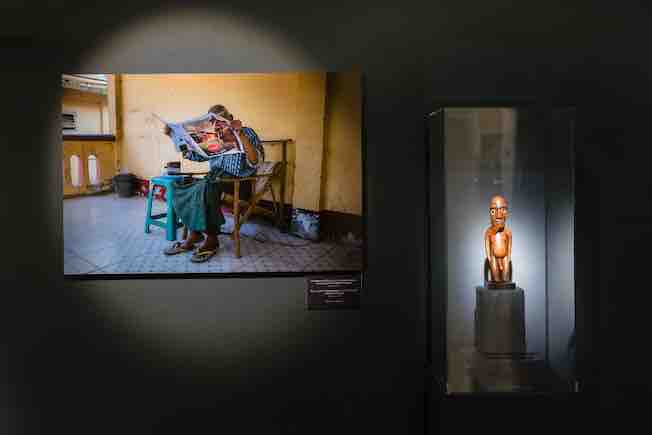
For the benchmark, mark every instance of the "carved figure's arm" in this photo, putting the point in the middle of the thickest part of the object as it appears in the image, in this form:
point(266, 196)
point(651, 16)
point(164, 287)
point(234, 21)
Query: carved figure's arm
point(509, 246)
point(508, 264)
point(487, 244)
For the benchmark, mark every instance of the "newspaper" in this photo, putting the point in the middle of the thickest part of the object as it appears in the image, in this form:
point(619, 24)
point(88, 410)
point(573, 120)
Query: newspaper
point(208, 135)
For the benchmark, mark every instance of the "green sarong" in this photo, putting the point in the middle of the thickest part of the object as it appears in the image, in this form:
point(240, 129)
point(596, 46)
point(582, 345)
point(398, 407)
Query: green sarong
point(198, 204)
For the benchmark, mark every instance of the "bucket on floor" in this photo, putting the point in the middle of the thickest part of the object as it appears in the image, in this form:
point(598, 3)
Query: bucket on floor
point(305, 224)
point(124, 184)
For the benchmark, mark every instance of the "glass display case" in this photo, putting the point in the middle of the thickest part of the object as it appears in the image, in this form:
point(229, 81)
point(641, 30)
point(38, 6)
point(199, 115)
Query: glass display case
point(501, 211)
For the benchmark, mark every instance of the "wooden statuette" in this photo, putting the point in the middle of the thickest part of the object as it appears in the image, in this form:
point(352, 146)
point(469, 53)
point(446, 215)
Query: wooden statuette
point(498, 247)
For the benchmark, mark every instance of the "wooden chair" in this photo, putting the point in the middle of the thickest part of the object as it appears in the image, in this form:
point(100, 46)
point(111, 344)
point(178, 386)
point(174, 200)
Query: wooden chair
point(261, 183)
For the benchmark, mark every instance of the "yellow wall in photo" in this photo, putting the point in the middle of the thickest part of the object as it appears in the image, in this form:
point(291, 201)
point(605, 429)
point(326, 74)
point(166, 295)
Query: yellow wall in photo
point(276, 105)
point(342, 173)
point(265, 102)
point(311, 105)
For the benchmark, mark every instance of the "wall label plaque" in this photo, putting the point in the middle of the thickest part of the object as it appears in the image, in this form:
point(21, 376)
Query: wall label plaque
point(334, 292)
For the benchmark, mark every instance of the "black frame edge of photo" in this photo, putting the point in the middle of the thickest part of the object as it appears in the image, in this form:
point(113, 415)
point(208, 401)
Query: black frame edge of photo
point(288, 274)
point(435, 248)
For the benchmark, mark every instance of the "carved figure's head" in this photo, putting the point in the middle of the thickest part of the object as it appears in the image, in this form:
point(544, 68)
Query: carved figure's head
point(498, 211)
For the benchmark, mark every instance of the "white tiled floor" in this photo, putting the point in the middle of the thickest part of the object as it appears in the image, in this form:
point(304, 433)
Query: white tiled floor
point(105, 234)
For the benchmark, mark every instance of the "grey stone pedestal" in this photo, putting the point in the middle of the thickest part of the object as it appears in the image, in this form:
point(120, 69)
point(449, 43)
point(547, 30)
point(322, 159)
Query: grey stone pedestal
point(500, 321)
point(499, 340)
point(500, 362)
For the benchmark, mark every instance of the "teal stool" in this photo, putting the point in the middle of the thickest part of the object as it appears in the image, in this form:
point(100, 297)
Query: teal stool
point(172, 222)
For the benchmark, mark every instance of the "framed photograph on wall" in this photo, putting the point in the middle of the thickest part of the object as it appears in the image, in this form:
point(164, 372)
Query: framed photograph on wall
point(217, 175)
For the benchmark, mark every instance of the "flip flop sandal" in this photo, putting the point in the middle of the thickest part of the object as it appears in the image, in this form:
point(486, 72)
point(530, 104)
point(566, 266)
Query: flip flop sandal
point(176, 248)
point(201, 256)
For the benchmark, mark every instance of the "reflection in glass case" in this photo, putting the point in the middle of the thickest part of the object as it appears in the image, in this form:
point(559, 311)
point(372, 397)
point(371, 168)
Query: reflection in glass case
point(502, 264)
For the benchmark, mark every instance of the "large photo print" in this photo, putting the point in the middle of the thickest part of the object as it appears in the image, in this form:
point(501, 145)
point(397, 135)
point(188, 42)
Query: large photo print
point(212, 173)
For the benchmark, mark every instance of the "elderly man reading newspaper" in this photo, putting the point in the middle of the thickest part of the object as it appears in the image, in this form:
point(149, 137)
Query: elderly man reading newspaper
point(232, 151)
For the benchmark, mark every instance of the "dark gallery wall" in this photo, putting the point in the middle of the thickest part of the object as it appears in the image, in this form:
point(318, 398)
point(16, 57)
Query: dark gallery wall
point(145, 356)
